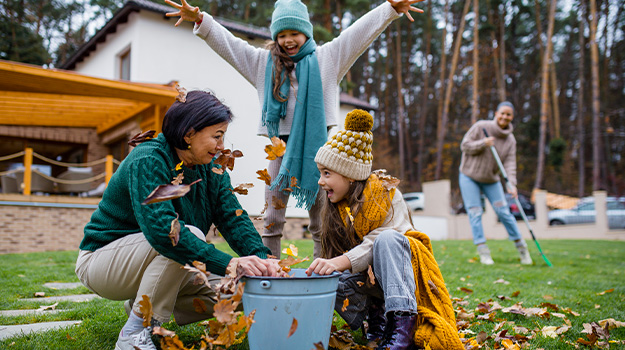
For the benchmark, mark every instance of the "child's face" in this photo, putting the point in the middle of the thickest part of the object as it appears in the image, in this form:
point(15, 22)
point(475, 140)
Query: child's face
point(335, 185)
point(291, 41)
point(504, 116)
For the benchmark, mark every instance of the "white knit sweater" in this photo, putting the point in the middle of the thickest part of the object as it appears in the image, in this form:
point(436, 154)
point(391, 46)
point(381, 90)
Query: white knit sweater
point(335, 58)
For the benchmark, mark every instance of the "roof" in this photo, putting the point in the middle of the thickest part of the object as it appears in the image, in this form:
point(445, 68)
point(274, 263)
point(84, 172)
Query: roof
point(31, 95)
point(356, 102)
point(121, 16)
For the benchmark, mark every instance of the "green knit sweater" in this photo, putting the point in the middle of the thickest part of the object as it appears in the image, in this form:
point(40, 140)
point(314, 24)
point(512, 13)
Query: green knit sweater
point(209, 201)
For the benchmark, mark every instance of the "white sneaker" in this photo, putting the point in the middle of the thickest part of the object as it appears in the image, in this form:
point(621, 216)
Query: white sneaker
point(524, 253)
point(140, 341)
point(484, 252)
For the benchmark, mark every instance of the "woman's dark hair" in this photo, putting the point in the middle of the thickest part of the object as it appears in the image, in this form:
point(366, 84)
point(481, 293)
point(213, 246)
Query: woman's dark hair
point(200, 110)
point(281, 62)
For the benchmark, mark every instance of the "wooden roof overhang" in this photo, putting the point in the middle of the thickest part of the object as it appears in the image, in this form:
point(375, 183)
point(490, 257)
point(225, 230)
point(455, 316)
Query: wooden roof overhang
point(31, 95)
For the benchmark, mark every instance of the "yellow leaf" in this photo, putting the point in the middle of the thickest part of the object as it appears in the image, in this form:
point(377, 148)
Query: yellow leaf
point(145, 307)
point(179, 166)
point(290, 251)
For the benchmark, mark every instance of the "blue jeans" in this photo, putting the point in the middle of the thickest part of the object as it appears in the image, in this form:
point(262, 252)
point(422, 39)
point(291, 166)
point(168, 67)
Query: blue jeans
point(394, 281)
point(470, 190)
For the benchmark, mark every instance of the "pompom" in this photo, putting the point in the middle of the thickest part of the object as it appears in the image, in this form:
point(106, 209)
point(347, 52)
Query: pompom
point(358, 120)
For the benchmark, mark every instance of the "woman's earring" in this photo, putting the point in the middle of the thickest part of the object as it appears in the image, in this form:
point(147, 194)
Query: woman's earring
point(189, 146)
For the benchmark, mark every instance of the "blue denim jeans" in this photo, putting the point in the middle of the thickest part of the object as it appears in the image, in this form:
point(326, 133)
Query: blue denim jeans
point(394, 281)
point(471, 190)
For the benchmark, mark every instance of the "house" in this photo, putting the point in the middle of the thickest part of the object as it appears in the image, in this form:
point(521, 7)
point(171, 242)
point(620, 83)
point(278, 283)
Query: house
point(140, 44)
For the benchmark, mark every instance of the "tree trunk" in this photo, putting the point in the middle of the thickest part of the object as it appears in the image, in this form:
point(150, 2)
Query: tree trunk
point(554, 100)
point(327, 15)
point(476, 44)
point(594, 76)
point(440, 139)
point(502, 50)
point(581, 168)
point(544, 93)
point(401, 117)
point(424, 99)
point(441, 90)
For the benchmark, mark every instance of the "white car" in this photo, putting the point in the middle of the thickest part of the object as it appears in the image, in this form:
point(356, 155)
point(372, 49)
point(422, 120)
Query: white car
point(415, 200)
point(584, 212)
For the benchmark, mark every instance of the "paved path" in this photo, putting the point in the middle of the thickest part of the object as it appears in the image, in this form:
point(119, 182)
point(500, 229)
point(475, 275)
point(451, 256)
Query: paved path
point(10, 331)
point(76, 298)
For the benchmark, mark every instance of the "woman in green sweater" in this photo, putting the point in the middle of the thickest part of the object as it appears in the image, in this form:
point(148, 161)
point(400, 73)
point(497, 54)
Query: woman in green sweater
point(127, 252)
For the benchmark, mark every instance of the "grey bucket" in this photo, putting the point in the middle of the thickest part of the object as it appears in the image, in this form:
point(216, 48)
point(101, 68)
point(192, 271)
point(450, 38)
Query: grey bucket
point(277, 301)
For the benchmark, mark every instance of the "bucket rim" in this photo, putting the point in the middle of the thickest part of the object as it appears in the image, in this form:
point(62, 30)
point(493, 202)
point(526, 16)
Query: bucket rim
point(314, 276)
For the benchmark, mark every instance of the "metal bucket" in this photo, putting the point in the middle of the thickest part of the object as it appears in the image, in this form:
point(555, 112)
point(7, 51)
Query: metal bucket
point(277, 301)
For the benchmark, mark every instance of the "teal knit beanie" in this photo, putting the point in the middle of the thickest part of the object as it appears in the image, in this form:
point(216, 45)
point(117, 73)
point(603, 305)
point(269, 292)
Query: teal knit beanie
point(290, 14)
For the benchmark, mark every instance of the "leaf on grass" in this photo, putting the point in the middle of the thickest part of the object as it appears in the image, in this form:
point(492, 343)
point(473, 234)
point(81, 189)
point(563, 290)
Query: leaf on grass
point(238, 212)
point(242, 188)
point(174, 231)
point(501, 281)
point(611, 323)
point(199, 305)
point(276, 149)
point(163, 332)
point(277, 203)
point(48, 307)
point(515, 294)
point(345, 305)
point(172, 343)
point(178, 179)
point(293, 328)
point(466, 290)
point(290, 251)
point(548, 297)
point(549, 331)
point(606, 291)
point(39, 294)
point(482, 337)
point(341, 340)
point(141, 137)
point(145, 307)
point(167, 192)
point(264, 175)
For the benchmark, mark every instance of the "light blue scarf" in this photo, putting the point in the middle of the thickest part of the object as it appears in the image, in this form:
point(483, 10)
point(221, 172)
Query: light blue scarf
point(308, 131)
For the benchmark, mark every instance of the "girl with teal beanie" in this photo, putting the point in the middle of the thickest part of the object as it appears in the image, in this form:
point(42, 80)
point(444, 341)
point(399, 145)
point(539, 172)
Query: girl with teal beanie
point(297, 84)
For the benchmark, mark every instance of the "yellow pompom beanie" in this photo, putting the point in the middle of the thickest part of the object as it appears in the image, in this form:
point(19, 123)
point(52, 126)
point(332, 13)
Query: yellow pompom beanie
point(349, 151)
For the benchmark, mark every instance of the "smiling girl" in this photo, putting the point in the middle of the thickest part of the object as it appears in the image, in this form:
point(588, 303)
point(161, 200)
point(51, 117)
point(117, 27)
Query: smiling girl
point(367, 224)
point(297, 84)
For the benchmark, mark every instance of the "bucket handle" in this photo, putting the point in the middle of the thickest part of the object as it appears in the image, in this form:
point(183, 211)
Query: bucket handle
point(265, 284)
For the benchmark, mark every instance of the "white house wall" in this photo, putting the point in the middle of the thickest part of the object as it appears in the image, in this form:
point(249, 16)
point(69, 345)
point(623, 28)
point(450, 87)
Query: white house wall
point(161, 53)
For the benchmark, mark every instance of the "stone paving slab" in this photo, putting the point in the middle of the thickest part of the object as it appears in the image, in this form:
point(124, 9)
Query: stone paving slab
point(56, 285)
point(28, 312)
point(77, 298)
point(10, 331)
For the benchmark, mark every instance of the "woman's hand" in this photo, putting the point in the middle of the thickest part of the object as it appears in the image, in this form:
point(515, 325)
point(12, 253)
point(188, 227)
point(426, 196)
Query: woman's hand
point(403, 6)
point(255, 266)
point(185, 11)
point(513, 191)
point(323, 267)
point(489, 141)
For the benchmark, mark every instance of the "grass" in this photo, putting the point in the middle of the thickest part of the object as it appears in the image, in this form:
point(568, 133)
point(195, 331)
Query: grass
point(581, 271)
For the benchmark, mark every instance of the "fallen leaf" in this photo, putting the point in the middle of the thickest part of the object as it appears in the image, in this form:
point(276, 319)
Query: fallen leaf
point(611, 323)
point(48, 307)
point(242, 188)
point(345, 305)
point(218, 171)
point(501, 281)
point(481, 337)
point(276, 149)
point(39, 294)
point(163, 332)
point(548, 297)
point(293, 182)
point(515, 294)
point(606, 291)
point(145, 307)
point(293, 328)
point(166, 192)
point(264, 175)
point(141, 137)
point(174, 231)
point(466, 290)
point(264, 208)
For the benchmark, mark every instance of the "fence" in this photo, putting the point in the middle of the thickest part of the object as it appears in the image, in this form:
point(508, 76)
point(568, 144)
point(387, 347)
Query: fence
point(77, 179)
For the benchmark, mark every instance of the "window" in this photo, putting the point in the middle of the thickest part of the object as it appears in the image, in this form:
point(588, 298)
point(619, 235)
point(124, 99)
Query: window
point(124, 65)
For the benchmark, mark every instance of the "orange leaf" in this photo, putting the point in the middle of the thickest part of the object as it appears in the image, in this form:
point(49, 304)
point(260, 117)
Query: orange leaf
point(141, 137)
point(276, 149)
point(371, 275)
point(145, 307)
point(606, 291)
point(178, 179)
point(345, 305)
point(199, 306)
point(270, 225)
point(242, 188)
point(239, 212)
point(264, 175)
point(277, 203)
point(224, 311)
point(174, 231)
point(293, 328)
point(163, 332)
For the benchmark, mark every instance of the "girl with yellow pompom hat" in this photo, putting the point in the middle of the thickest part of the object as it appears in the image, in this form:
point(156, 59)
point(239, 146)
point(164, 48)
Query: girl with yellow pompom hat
point(367, 228)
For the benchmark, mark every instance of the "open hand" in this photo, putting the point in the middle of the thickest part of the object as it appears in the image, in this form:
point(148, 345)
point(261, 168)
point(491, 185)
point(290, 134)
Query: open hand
point(185, 11)
point(403, 6)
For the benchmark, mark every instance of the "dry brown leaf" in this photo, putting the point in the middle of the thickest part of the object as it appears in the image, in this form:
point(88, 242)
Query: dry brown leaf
point(178, 179)
point(371, 275)
point(166, 192)
point(606, 291)
point(319, 346)
point(466, 290)
point(289, 261)
point(270, 225)
point(433, 288)
point(293, 328)
point(293, 182)
point(264, 175)
point(387, 180)
point(218, 171)
point(277, 203)
point(48, 307)
point(174, 231)
point(516, 294)
point(163, 332)
point(345, 305)
point(182, 94)
point(39, 294)
point(611, 323)
point(224, 312)
point(481, 337)
point(242, 188)
point(226, 158)
point(172, 343)
point(145, 307)
point(276, 149)
point(199, 305)
point(141, 137)
point(239, 212)
point(501, 281)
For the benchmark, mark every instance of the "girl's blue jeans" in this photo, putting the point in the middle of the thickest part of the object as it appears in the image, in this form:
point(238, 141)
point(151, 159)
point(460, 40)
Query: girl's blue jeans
point(471, 196)
point(394, 281)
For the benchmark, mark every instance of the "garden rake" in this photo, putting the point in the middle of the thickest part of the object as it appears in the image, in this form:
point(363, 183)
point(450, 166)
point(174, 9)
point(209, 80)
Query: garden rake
point(516, 198)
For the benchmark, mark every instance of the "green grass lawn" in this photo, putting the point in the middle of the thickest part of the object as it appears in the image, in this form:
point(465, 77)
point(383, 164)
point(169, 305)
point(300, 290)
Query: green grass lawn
point(581, 271)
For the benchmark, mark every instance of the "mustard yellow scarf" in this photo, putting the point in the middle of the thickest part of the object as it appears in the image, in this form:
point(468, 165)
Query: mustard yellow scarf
point(436, 321)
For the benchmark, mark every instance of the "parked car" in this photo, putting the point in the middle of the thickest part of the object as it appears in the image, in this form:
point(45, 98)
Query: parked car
point(584, 212)
point(415, 200)
point(528, 207)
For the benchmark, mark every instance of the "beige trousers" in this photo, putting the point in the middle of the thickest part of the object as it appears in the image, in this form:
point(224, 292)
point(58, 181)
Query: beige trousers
point(129, 268)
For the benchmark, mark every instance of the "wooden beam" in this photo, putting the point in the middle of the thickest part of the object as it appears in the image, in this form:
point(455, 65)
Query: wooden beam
point(117, 119)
